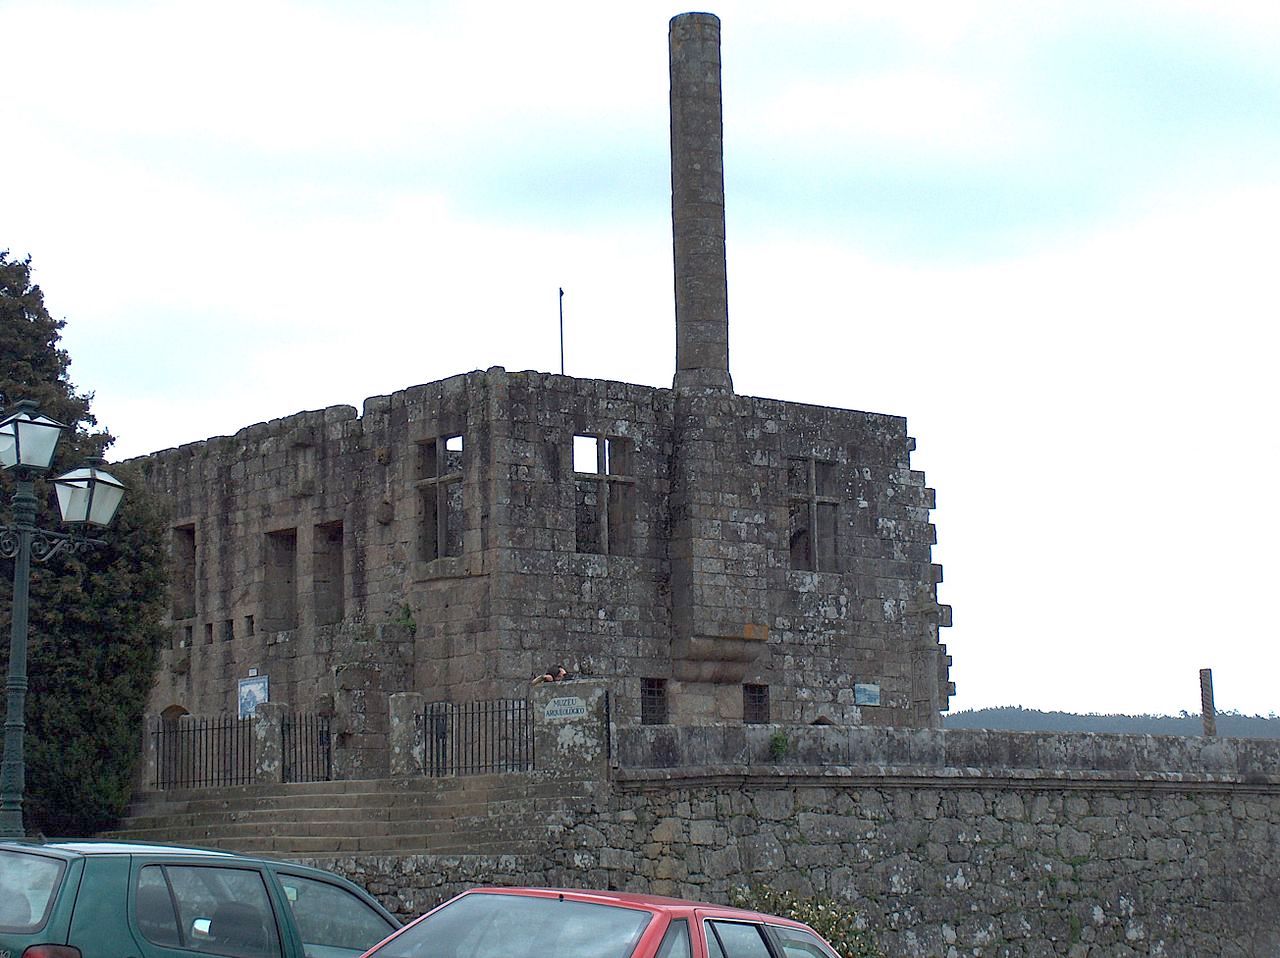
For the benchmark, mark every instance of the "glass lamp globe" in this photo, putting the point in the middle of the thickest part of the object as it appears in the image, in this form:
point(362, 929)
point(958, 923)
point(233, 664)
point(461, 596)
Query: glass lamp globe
point(28, 439)
point(89, 494)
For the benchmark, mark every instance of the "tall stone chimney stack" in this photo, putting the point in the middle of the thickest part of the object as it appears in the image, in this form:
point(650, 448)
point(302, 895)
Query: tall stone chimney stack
point(697, 204)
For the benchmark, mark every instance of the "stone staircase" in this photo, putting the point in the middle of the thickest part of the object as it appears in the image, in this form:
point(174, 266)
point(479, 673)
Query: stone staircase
point(473, 815)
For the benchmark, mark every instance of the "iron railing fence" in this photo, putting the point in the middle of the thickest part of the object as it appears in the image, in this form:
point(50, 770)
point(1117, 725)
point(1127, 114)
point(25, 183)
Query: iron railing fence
point(306, 748)
point(211, 752)
point(472, 738)
point(203, 752)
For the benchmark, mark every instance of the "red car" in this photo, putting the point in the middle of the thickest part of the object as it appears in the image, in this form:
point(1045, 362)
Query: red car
point(560, 923)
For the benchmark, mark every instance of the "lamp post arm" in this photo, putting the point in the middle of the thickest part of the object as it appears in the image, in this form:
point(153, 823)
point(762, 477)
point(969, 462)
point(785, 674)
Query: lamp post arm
point(44, 545)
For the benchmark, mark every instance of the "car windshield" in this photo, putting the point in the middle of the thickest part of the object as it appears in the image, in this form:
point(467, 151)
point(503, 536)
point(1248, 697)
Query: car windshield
point(494, 925)
point(27, 884)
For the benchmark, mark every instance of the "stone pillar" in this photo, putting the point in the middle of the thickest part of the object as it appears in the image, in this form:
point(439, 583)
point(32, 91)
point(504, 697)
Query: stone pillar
point(268, 749)
point(571, 731)
point(405, 736)
point(697, 204)
point(150, 744)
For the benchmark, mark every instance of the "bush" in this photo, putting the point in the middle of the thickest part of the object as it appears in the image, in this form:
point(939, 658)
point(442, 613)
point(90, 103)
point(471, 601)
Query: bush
point(837, 921)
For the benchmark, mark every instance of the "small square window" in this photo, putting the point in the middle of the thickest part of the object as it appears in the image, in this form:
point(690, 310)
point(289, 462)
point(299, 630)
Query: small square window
point(755, 704)
point(653, 701)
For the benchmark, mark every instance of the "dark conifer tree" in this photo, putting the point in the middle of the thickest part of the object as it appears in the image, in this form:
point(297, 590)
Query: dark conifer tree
point(94, 617)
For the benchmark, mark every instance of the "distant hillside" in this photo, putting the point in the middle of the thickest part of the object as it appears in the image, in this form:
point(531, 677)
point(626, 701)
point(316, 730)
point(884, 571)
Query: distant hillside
point(1018, 719)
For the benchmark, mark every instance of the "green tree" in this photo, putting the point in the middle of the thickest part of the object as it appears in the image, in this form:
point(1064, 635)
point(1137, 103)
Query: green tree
point(95, 618)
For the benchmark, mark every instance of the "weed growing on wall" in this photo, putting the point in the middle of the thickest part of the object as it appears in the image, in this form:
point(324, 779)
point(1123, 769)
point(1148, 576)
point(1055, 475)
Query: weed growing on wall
point(778, 745)
point(837, 921)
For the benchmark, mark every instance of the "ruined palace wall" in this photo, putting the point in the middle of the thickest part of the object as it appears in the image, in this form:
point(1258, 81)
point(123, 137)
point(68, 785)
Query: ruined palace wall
point(455, 509)
point(226, 497)
point(292, 529)
point(582, 579)
point(866, 613)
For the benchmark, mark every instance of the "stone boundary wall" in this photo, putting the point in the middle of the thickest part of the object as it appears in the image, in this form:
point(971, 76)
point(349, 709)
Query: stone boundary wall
point(940, 866)
point(951, 842)
point(955, 753)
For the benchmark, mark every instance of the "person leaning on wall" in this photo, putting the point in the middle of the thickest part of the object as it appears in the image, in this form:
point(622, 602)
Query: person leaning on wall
point(556, 673)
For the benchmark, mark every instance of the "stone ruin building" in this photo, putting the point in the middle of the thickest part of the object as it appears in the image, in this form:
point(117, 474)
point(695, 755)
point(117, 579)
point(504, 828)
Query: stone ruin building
point(745, 585)
point(717, 558)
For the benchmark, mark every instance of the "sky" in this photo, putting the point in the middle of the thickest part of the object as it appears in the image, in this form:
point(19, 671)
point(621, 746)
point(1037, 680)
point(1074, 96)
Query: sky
point(1045, 233)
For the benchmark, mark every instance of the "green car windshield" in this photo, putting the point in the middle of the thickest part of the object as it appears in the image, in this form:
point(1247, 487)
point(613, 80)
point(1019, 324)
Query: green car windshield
point(485, 925)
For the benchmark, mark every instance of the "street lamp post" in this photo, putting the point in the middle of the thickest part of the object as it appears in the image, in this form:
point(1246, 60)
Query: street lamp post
point(86, 495)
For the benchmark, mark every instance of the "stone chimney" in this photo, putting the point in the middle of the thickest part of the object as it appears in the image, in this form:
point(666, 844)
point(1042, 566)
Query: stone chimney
point(697, 205)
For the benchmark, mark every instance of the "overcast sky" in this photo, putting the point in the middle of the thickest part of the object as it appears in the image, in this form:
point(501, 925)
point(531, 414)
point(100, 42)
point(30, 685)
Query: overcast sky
point(1046, 233)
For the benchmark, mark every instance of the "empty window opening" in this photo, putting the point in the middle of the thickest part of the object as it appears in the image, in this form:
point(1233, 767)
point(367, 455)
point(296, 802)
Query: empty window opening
point(604, 493)
point(328, 575)
point(585, 454)
point(440, 493)
point(755, 704)
point(188, 636)
point(812, 515)
point(228, 630)
point(653, 701)
point(184, 571)
point(280, 581)
point(248, 625)
point(208, 633)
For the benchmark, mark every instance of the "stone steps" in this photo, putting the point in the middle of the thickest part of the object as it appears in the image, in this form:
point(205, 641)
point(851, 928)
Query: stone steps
point(470, 815)
point(329, 845)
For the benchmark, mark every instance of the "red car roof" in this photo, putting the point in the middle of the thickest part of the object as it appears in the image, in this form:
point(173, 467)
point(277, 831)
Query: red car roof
point(655, 903)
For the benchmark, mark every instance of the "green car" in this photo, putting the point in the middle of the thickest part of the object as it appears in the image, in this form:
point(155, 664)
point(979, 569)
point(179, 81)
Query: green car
point(113, 900)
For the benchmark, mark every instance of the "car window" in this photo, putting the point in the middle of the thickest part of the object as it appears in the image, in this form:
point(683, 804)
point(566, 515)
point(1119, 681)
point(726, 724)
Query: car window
point(27, 884)
point(218, 910)
point(675, 943)
point(800, 944)
point(153, 908)
point(713, 944)
point(332, 921)
point(494, 925)
point(737, 939)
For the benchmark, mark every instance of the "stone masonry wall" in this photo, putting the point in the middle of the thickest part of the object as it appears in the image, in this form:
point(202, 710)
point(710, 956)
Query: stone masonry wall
point(1011, 867)
point(950, 844)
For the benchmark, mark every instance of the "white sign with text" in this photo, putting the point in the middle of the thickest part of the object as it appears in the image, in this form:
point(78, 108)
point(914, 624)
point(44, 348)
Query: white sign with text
point(566, 706)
